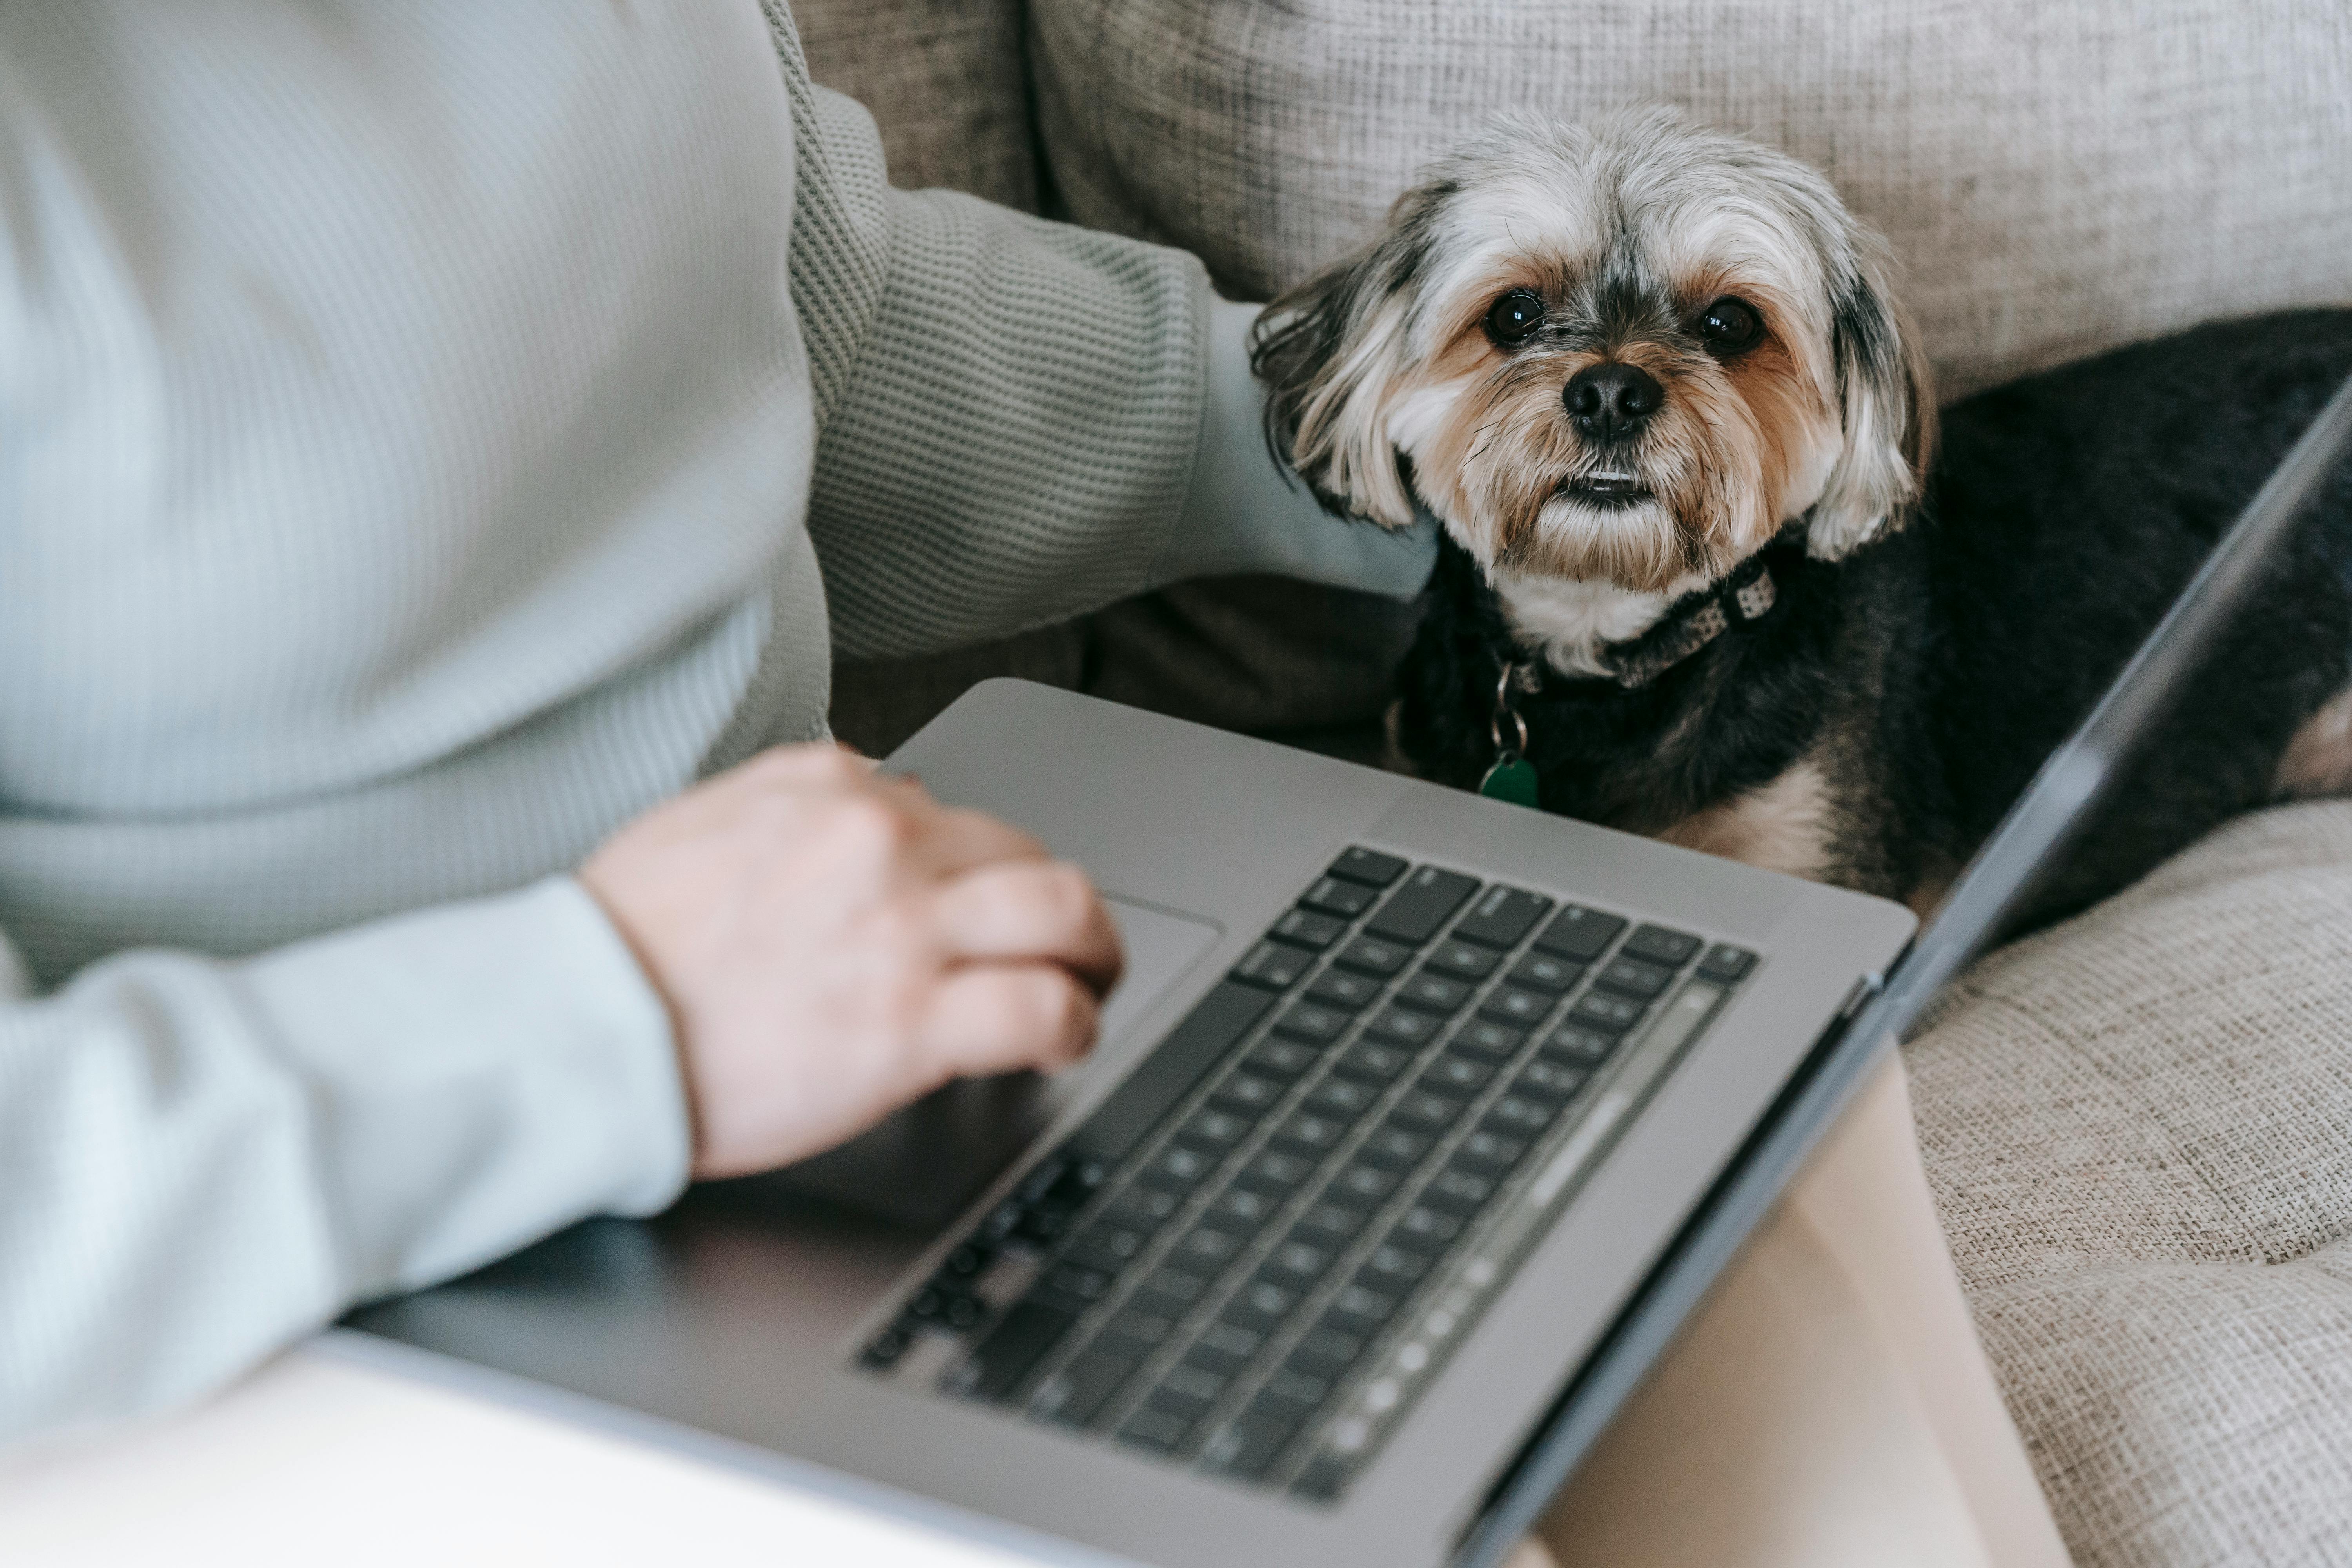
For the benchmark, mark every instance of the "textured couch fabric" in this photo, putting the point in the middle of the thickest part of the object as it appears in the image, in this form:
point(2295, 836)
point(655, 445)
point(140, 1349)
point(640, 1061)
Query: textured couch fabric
point(2138, 1128)
point(2057, 179)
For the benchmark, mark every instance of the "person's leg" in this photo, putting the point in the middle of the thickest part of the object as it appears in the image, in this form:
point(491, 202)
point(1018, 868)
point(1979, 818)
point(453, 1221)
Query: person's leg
point(1828, 1405)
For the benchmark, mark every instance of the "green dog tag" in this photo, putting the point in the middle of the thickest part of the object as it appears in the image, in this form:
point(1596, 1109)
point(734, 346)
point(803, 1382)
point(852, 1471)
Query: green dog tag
point(1512, 778)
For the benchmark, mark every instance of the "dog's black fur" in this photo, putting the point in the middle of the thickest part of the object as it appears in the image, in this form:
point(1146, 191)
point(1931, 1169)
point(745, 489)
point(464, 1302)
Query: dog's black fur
point(1933, 670)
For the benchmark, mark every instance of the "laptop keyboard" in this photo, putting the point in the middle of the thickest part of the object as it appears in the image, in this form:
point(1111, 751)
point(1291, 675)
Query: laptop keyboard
point(1254, 1254)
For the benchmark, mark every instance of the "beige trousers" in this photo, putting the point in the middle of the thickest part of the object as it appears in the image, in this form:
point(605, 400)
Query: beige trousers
point(1828, 1404)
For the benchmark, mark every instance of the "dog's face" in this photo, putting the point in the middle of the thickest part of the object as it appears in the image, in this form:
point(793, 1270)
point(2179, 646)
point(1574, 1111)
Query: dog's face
point(1624, 354)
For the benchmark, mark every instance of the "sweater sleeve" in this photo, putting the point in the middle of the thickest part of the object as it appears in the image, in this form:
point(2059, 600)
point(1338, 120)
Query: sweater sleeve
point(1022, 420)
point(201, 1160)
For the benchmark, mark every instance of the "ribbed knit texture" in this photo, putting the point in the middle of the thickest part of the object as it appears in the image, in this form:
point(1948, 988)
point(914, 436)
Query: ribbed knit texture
point(408, 420)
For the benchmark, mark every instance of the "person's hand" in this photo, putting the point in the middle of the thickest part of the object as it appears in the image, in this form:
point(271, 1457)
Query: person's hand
point(833, 944)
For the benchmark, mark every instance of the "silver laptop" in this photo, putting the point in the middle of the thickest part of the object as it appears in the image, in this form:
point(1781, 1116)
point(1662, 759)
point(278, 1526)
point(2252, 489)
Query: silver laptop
point(1420, 1124)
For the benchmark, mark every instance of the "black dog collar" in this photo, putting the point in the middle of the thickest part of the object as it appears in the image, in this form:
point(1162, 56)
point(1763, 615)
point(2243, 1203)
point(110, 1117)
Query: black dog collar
point(1694, 621)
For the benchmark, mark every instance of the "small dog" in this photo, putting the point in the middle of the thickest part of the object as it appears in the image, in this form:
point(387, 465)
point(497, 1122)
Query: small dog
point(1697, 567)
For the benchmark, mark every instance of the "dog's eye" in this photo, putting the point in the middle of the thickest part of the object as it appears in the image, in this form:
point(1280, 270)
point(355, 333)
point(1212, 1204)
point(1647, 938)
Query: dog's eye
point(1514, 318)
point(1729, 325)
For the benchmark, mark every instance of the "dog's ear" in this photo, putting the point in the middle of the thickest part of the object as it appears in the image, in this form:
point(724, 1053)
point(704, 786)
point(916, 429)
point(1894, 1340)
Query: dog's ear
point(1887, 404)
point(1332, 353)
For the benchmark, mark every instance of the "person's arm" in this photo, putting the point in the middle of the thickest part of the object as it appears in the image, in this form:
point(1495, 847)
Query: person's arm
point(1021, 420)
point(202, 1159)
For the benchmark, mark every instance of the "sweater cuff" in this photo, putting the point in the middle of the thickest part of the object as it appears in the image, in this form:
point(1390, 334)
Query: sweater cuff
point(1245, 511)
point(483, 1074)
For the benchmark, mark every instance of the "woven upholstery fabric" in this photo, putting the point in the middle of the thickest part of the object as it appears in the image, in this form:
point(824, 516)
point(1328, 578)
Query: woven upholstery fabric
point(945, 81)
point(2058, 179)
point(2139, 1127)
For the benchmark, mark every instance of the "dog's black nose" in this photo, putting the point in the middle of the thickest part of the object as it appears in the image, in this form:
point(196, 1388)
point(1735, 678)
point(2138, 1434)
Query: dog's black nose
point(1611, 401)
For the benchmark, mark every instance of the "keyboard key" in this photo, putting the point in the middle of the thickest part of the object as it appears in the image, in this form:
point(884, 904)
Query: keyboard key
point(1247, 1093)
point(1369, 867)
point(1542, 972)
point(1329, 1225)
point(1311, 1133)
point(1428, 993)
point(1661, 945)
point(1487, 1040)
point(1293, 1394)
point(1187, 1391)
point(1361, 1186)
point(1273, 1172)
point(1370, 1062)
point(1150, 1428)
point(1018, 1342)
point(1295, 1266)
point(1633, 977)
point(1224, 1348)
point(1143, 1208)
point(1260, 1305)
point(1347, 992)
point(1177, 1169)
point(1334, 896)
point(1271, 966)
point(1169, 1292)
point(1107, 1246)
point(1368, 955)
point(1423, 901)
point(1457, 1077)
point(1358, 1310)
point(1213, 1131)
point(1394, 1149)
point(1612, 1015)
point(1134, 1334)
point(1279, 1059)
point(1326, 1352)
point(1312, 1022)
point(1342, 1098)
point(1246, 1446)
point(1726, 962)
point(1424, 1228)
point(1076, 1395)
point(1520, 1010)
point(1325, 1474)
point(1403, 1027)
point(1580, 934)
point(1578, 1046)
point(1554, 1081)
point(1204, 1249)
point(1491, 1153)
point(1304, 928)
point(1463, 960)
point(1501, 916)
point(1392, 1269)
point(1165, 1077)
point(1521, 1116)
point(1240, 1211)
point(1458, 1191)
point(1422, 1111)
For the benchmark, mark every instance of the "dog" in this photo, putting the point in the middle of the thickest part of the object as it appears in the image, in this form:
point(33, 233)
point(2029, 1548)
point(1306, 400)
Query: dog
point(1707, 572)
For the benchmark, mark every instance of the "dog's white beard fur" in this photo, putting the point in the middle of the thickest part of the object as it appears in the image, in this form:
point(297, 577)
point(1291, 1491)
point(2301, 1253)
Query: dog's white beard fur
point(1571, 622)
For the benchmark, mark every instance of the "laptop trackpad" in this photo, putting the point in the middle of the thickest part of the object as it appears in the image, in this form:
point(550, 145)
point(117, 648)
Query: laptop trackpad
point(921, 1166)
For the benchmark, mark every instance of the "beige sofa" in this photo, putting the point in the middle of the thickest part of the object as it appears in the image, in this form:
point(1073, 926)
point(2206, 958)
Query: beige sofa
point(2139, 1125)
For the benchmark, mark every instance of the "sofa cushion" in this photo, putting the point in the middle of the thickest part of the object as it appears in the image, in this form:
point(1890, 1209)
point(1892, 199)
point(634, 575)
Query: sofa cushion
point(2058, 179)
point(945, 82)
point(2139, 1127)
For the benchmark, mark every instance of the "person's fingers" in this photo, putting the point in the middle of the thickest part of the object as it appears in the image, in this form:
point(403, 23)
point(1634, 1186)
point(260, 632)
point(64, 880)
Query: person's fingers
point(958, 841)
point(999, 1018)
point(1030, 910)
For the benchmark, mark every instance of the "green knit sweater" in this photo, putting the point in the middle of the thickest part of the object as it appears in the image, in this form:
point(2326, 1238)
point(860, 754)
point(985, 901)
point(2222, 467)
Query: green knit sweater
point(428, 436)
